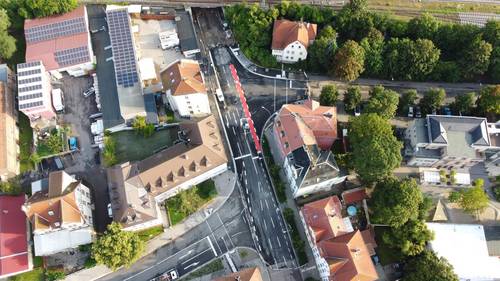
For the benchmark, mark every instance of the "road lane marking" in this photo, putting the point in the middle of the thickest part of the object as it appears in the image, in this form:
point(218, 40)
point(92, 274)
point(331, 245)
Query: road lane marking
point(279, 243)
point(270, 244)
point(261, 206)
point(239, 148)
point(242, 156)
point(187, 254)
point(272, 222)
point(193, 257)
point(284, 260)
point(265, 225)
point(267, 206)
point(212, 245)
point(191, 265)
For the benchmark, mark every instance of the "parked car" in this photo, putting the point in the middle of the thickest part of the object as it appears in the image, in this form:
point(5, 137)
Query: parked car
point(418, 112)
point(169, 275)
point(110, 211)
point(357, 110)
point(446, 111)
point(410, 111)
point(73, 143)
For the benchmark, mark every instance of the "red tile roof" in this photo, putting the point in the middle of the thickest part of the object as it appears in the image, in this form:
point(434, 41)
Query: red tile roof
point(286, 32)
point(352, 249)
point(13, 236)
point(45, 50)
point(324, 218)
point(306, 124)
point(354, 195)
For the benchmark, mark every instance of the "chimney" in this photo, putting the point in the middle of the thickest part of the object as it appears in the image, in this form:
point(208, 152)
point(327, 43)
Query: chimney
point(237, 278)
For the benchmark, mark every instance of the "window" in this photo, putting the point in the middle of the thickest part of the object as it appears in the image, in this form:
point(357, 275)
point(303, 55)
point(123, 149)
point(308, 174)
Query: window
point(57, 224)
point(287, 144)
point(300, 53)
point(282, 133)
point(51, 213)
point(191, 112)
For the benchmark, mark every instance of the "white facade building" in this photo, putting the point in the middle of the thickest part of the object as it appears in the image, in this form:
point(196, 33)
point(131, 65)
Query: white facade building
point(291, 40)
point(184, 87)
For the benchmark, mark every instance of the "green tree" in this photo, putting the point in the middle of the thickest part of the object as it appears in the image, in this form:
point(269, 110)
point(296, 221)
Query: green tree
point(117, 248)
point(408, 98)
point(464, 103)
point(394, 202)
point(109, 151)
point(329, 95)
point(373, 45)
point(320, 54)
point(428, 267)
point(349, 61)
point(141, 126)
point(45, 8)
point(352, 97)
point(383, 102)
point(491, 32)
point(11, 186)
point(7, 42)
point(424, 26)
point(447, 71)
point(410, 238)
point(494, 71)
point(432, 100)
point(489, 100)
point(53, 275)
point(410, 60)
point(473, 200)
point(477, 59)
point(372, 138)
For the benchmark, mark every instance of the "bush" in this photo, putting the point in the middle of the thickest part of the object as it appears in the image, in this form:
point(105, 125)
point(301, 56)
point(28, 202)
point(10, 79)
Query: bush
point(298, 243)
point(496, 192)
point(109, 152)
point(53, 275)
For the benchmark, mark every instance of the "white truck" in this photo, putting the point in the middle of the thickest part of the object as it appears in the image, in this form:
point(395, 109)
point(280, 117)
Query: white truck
point(58, 100)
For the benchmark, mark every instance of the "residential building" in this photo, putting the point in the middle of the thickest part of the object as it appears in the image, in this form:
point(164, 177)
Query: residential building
point(34, 91)
point(247, 274)
point(340, 252)
point(61, 42)
point(15, 255)
point(136, 188)
point(184, 86)
point(465, 248)
point(123, 47)
point(9, 131)
point(186, 34)
point(60, 212)
point(291, 40)
point(450, 142)
point(302, 137)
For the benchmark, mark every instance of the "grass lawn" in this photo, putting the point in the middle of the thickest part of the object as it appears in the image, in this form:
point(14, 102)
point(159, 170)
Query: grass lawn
point(170, 116)
point(131, 146)
point(25, 142)
point(150, 233)
point(189, 201)
point(386, 255)
point(34, 275)
point(438, 7)
point(214, 266)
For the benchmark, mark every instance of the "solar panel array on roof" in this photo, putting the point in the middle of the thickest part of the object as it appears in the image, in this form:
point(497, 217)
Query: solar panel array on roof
point(28, 65)
point(54, 30)
point(122, 47)
point(72, 56)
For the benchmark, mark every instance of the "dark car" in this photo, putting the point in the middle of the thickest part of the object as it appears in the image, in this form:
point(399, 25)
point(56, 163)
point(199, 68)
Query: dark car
point(447, 111)
point(418, 112)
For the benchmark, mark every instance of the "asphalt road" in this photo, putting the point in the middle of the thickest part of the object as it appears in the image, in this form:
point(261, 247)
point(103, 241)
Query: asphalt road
point(223, 230)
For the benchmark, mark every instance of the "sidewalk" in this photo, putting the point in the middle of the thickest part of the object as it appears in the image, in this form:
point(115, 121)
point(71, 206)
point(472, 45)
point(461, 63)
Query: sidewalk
point(224, 183)
point(265, 72)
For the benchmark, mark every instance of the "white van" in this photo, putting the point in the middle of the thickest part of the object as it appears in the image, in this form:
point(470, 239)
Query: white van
point(58, 100)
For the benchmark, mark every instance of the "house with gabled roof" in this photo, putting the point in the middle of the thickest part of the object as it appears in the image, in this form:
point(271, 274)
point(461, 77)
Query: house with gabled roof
point(302, 136)
point(61, 42)
point(136, 188)
point(184, 87)
point(450, 142)
point(340, 252)
point(60, 213)
point(291, 40)
point(15, 256)
point(247, 274)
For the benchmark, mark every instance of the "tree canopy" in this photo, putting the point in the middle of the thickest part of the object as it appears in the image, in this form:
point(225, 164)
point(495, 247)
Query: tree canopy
point(11, 187)
point(7, 42)
point(394, 202)
point(428, 267)
point(489, 100)
point(408, 98)
point(117, 248)
point(383, 102)
point(473, 200)
point(352, 97)
point(45, 8)
point(433, 100)
point(423, 26)
point(410, 238)
point(372, 138)
point(349, 61)
point(329, 95)
point(477, 58)
point(464, 103)
point(321, 52)
point(373, 45)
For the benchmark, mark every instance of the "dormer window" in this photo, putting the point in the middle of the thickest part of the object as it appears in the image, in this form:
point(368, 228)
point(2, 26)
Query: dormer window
point(51, 213)
point(57, 224)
